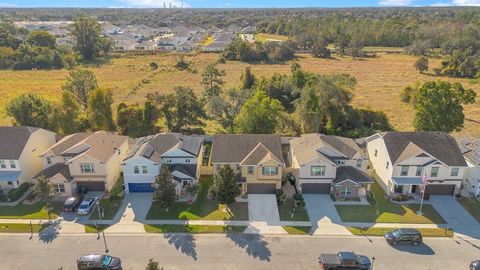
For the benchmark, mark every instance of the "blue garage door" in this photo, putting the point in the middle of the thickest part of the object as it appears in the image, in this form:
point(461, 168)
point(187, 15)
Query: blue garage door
point(140, 187)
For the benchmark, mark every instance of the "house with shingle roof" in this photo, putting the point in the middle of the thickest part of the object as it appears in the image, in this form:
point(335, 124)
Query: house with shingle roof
point(181, 153)
point(84, 161)
point(257, 160)
point(20, 148)
point(404, 160)
point(470, 148)
point(324, 164)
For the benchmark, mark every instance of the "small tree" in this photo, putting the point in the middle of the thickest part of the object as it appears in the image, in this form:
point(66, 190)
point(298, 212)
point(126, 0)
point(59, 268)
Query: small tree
point(100, 110)
point(421, 64)
point(247, 78)
point(30, 110)
point(192, 189)
point(212, 81)
point(81, 83)
point(164, 189)
point(224, 188)
point(152, 265)
point(44, 191)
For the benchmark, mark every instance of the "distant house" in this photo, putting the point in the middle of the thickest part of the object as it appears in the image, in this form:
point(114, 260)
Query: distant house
point(403, 159)
point(249, 30)
point(85, 160)
point(148, 45)
point(166, 44)
point(110, 29)
point(181, 153)
point(125, 45)
point(186, 47)
point(470, 148)
point(324, 164)
point(20, 148)
point(256, 159)
point(215, 47)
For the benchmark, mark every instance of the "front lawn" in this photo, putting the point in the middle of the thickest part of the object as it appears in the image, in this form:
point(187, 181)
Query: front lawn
point(193, 229)
point(302, 230)
point(91, 228)
point(29, 211)
point(285, 212)
point(202, 208)
point(472, 206)
point(21, 228)
point(109, 209)
point(426, 232)
point(387, 212)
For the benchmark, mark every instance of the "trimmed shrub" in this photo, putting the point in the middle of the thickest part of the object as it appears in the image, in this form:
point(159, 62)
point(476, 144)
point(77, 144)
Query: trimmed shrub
point(16, 193)
point(298, 197)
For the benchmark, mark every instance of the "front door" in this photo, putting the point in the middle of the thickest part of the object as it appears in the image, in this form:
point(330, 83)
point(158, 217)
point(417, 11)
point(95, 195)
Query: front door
point(414, 188)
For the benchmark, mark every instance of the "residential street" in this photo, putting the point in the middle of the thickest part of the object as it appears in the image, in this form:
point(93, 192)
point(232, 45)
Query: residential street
point(177, 251)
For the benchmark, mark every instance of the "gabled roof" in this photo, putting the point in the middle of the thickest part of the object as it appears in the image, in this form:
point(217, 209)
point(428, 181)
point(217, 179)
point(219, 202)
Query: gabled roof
point(13, 140)
point(259, 155)
point(440, 145)
point(153, 147)
point(183, 171)
point(59, 168)
point(353, 174)
point(234, 148)
point(470, 148)
point(66, 142)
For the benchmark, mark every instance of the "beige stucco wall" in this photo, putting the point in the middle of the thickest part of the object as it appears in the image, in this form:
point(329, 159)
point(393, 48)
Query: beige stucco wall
point(59, 179)
point(379, 162)
point(259, 178)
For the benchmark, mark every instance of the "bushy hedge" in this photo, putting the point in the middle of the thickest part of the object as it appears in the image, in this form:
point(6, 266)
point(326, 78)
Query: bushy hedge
point(16, 193)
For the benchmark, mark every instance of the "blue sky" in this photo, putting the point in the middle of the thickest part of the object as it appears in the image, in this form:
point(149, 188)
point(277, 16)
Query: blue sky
point(234, 3)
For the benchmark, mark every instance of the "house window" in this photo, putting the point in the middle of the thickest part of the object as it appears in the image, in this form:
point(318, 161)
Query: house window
point(59, 188)
point(49, 160)
point(3, 165)
point(340, 161)
point(187, 160)
point(317, 171)
point(250, 170)
point(66, 159)
point(136, 170)
point(12, 164)
point(359, 163)
point(9, 183)
point(388, 164)
point(434, 172)
point(404, 171)
point(144, 169)
point(86, 168)
point(168, 160)
point(418, 172)
point(454, 171)
point(376, 152)
point(270, 170)
point(398, 189)
point(344, 192)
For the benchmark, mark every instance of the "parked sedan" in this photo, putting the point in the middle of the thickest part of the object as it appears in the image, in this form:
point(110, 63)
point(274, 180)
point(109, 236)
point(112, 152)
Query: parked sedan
point(94, 262)
point(86, 206)
point(411, 236)
point(72, 203)
point(475, 265)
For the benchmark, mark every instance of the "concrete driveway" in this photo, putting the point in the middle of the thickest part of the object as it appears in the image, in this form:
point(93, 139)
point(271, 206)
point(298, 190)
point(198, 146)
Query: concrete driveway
point(263, 208)
point(324, 215)
point(453, 212)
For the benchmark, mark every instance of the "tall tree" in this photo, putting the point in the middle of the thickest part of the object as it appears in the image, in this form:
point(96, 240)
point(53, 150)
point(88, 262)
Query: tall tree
point(248, 78)
point(30, 110)
point(44, 191)
point(212, 81)
point(41, 38)
point(100, 113)
point(224, 188)
point(439, 106)
point(136, 121)
point(81, 83)
point(259, 115)
point(106, 45)
point(421, 64)
point(164, 192)
point(87, 35)
point(225, 108)
point(68, 116)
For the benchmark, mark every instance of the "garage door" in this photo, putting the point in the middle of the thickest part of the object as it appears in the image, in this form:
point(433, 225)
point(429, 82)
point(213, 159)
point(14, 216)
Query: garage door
point(261, 188)
point(440, 189)
point(92, 186)
point(140, 187)
point(316, 188)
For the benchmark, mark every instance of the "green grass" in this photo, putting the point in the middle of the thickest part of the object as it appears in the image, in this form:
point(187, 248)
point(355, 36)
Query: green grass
point(297, 229)
point(426, 232)
point(110, 209)
point(472, 206)
point(193, 229)
point(285, 212)
point(91, 228)
point(202, 209)
point(264, 37)
point(388, 212)
point(20, 228)
point(26, 211)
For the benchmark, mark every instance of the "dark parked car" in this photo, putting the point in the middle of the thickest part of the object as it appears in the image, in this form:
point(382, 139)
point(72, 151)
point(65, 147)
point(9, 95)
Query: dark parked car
point(475, 265)
point(72, 203)
point(410, 236)
point(96, 262)
point(345, 260)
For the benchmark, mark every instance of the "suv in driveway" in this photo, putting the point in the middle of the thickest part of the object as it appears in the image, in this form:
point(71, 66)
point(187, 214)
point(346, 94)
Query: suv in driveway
point(475, 265)
point(397, 236)
point(86, 206)
point(71, 204)
point(98, 262)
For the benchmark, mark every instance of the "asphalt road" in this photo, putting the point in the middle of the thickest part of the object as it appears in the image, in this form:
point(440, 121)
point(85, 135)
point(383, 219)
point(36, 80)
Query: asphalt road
point(211, 252)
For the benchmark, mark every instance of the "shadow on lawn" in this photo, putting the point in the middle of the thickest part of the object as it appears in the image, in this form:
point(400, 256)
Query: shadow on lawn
point(254, 245)
point(184, 243)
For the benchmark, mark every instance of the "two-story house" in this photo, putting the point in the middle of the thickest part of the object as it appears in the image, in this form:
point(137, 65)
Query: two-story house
point(20, 148)
point(403, 159)
point(257, 160)
point(470, 148)
point(85, 160)
point(324, 164)
point(181, 153)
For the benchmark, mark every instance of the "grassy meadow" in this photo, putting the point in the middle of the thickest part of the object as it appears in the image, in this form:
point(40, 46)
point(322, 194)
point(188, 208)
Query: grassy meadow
point(380, 80)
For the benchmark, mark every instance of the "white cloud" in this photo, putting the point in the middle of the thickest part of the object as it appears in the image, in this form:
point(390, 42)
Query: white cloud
point(7, 5)
point(466, 2)
point(395, 3)
point(441, 4)
point(155, 3)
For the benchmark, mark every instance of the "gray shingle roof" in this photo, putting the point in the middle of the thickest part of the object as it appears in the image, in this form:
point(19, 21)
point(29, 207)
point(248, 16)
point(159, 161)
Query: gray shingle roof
point(233, 148)
point(441, 145)
point(13, 140)
point(351, 173)
point(470, 148)
point(59, 168)
point(67, 142)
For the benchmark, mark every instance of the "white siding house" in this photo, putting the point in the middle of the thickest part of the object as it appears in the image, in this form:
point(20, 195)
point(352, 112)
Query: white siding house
point(471, 151)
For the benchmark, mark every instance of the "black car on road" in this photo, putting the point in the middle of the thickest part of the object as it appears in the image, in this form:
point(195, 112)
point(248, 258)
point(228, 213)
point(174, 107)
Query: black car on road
point(97, 262)
point(345, 260)
point(72, 203)
point(475, 265)
point(411, 236)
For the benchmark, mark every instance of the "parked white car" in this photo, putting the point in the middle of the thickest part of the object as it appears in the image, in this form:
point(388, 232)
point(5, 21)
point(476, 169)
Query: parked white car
point(86, 206)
